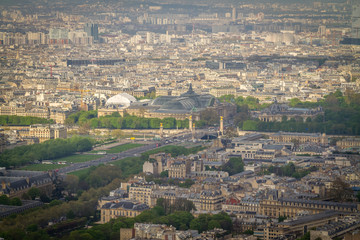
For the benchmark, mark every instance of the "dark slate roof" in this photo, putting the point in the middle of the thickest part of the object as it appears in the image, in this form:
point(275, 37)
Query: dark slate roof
point(189, 101)
point(126, 205)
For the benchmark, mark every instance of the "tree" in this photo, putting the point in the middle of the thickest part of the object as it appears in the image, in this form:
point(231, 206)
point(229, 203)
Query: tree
point(233, 166)
point(84, 128)
point(32, 228)
point(341, 190)
point(83, 145)
point(70, 214)
point(15, 202)
point(164, 174)
point(213, 224)
point(34, 192)
point(4, 200)
point(250, 125)
point(294, 102)
point(71, 183)
point(187, 183)
point(25, 196)
point(282, 218)
point(210, 116)
point(230, 132)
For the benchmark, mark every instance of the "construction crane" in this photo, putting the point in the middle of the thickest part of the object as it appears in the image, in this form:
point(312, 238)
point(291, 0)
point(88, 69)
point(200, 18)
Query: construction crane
point(51, 69)
point(82, 104)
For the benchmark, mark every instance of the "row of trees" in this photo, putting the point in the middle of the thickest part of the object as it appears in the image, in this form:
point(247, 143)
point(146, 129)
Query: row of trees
point(5, 200)
point(341, 115)
point(33, 224)
point(90, 186)
point(51, 149)
point(115, 121)
point(181, 220)
point(12, 120)
point(241, 102)
point(289, 170)
point(96, 177)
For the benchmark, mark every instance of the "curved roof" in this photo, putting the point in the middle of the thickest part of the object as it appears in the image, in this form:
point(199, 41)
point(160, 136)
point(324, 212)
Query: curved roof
point(186, 102)
point(122, 99)
point(162, 100)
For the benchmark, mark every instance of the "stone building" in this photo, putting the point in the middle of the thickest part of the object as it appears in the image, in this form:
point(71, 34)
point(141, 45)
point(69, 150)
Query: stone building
point(298, 227)
point(154, 231)
point(277, 112)
point(14, 183)
point(178, 107)
point(346, 227)
point(348, 143)
point(121, 209)
point(291, 207)
point(287, 137)
point(234, 205)
point(142, 193)
point(27, 109)
point(211, 200)
point(45, 132)
point(151, 167)
point(180, 169)
point(259, 150)
point(162, 159)
point(209, 174)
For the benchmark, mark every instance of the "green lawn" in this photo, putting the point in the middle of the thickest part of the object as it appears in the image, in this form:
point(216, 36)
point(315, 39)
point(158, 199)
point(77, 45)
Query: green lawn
point(124, 147)
point(78, 158)
point(42, 167)
point(80, 172)
point(69, 160)
point(120, 148)
point(121, 161)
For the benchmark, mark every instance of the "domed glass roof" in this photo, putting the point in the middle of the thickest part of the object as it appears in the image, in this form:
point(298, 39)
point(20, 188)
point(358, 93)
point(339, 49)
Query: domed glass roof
point(189, 101)
point(122, 99)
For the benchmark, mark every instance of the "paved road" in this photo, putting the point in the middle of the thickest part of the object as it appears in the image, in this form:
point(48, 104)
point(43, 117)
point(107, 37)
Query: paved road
point(107, 158)
point(129, 153)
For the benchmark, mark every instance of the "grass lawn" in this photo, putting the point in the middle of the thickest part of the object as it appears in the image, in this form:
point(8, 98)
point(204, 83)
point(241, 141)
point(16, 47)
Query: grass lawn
point(121, 161)
point(80, 172)
point(69, 160)
point(124, 147)
point(120, 148)
point(42, 167)
point(133, 165)
point(78, 158)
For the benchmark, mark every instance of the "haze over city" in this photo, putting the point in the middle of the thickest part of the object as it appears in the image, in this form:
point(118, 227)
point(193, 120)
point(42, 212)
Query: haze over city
point(180, 119)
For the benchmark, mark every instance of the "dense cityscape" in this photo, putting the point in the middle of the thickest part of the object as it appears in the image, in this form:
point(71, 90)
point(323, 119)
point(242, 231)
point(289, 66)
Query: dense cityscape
point(174, 120)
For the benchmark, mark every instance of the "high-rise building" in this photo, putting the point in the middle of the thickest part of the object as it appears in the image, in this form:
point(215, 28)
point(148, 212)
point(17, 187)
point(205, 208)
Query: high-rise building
point(355, 19)
point(233, 15)
point(92, 30)
point(58, 35)
point(354, 38)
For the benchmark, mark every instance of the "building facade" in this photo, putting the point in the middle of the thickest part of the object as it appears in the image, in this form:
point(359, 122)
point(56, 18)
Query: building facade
point(286, 137)
point(141, 193)
point(291, 207)
point(180, 169)
point(211, 200)
point(121, 209)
